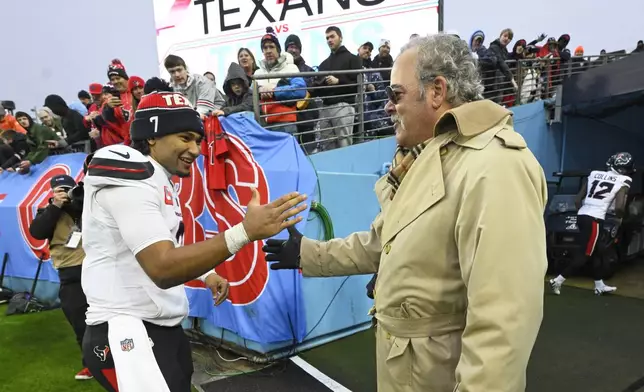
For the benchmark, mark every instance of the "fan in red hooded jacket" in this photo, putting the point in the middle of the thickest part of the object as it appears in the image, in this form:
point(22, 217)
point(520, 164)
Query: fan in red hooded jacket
point(110, 132)
point(118, 109)
point(550, 65)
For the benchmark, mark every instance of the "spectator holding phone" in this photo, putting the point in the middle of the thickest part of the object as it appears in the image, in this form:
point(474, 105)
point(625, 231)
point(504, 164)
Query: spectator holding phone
point(118, 111)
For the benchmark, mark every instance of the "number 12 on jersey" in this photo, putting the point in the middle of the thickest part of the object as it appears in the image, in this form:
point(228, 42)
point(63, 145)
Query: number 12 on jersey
point(599, 189)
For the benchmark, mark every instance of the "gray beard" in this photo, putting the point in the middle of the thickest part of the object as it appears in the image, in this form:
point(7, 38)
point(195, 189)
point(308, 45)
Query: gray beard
point(271, 64)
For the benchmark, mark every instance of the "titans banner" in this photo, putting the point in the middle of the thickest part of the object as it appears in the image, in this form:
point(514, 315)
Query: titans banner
point(20, 198)
point(263, 305)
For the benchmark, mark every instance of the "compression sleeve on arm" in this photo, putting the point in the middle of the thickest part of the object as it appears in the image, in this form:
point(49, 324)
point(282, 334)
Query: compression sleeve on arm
point(137, 213)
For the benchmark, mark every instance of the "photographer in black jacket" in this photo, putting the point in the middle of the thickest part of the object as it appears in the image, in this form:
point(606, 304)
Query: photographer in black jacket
point(60, 223)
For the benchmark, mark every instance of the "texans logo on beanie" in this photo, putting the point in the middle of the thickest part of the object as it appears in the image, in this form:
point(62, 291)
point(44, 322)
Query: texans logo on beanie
point(163, 113)
point(116, 68)
point(135, 81)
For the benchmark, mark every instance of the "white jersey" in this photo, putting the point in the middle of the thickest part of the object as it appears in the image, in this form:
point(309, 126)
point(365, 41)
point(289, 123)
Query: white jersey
point(601, 191)
point(130, 203)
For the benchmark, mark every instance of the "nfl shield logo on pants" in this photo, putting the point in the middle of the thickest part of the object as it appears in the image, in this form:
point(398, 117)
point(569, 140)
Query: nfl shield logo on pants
point(127, 345)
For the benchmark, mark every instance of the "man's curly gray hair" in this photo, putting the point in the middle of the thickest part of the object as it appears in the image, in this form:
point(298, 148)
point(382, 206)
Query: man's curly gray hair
point(447, 56)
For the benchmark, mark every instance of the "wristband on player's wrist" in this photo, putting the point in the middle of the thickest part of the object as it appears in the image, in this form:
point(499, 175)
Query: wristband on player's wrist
point(206, 275)
point(236, 238)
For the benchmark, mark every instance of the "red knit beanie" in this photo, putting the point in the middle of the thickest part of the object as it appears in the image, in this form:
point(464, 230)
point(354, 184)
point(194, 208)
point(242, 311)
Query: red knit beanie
point(135, 81)
point(162, 113)
point(116, 68)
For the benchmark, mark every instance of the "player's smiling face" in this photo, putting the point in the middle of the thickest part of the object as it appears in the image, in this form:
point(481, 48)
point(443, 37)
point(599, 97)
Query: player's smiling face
point(176, 152)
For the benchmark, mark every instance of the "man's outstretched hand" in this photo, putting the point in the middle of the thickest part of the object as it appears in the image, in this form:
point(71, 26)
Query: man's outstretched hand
point(264, 221)
point(285, 252)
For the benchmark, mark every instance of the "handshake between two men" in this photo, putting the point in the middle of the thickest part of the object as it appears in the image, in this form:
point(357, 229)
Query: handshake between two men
point(283, 254)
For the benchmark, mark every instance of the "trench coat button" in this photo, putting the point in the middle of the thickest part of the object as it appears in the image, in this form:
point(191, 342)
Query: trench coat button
point(387, 248)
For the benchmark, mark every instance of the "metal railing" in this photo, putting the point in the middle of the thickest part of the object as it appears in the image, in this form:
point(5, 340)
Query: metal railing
point(318, 129)
point(84, 146)
point(326, 121)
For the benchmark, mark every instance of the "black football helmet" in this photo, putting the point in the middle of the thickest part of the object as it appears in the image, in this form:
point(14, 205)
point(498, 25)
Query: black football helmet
point(622, 163)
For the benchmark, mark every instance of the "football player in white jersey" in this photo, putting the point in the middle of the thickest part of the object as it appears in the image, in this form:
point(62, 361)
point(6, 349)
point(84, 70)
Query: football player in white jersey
point(599, 191)
point(134, 269)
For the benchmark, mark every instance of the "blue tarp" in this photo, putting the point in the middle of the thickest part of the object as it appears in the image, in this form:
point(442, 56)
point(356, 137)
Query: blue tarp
point(264, 306)
point(606, 88)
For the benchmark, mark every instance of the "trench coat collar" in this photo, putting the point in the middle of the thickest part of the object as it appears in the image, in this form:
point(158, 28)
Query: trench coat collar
point(472, 125)
point(472, 121)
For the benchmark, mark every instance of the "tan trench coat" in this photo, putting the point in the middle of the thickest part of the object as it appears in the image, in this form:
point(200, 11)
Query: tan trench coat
point(461, 257)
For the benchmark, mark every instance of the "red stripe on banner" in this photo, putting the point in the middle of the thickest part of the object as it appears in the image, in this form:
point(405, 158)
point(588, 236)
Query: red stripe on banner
point(594, 233)
point(196, 284)
point(177, 8)
point(110, 375)
point(2, 196)
point(114, 168)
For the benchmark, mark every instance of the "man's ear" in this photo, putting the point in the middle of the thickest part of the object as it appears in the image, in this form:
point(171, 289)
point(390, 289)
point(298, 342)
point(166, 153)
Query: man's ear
point(439, 85)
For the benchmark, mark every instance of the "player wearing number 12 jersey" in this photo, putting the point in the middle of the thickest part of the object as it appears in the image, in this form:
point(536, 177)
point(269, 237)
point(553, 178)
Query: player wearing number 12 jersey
point(600, 190)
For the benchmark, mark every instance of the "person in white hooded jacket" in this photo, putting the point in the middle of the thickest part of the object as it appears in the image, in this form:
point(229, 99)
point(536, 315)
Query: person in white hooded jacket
point(279, 95)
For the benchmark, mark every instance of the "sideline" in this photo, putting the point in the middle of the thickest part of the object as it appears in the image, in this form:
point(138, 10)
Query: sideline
point(318, 375)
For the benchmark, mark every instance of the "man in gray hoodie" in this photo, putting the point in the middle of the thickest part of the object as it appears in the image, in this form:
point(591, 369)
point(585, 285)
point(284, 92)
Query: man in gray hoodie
point(200, 91)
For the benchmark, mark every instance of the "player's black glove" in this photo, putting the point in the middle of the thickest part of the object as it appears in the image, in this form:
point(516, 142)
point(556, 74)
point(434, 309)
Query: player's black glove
point(285, 252)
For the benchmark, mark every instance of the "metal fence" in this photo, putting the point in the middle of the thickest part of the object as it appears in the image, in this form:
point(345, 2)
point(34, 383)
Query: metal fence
point(319, 127)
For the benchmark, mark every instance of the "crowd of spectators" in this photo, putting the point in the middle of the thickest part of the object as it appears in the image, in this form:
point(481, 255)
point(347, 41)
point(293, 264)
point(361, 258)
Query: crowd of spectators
point(531, 71)
point(320, 105)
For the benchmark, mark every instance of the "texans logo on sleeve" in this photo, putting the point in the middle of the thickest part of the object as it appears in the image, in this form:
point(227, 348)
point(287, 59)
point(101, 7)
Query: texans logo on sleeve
point(126, 115)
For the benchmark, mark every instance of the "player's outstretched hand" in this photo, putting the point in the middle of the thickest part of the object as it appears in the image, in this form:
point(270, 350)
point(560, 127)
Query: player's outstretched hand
point(285, 252)
point(264, 221)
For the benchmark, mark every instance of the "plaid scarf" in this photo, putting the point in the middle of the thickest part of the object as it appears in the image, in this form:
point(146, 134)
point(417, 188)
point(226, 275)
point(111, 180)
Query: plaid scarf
point(403, 159)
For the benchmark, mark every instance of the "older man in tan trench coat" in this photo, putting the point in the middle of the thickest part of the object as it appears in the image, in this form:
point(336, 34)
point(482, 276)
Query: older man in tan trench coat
point(459, 245)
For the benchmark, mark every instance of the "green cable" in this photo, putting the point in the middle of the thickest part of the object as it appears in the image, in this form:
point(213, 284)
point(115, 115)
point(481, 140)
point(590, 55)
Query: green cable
point(319, 210)
point(325, 217)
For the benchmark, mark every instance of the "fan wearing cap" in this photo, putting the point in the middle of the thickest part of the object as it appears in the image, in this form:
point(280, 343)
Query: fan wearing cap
point(383, 59)
point(279, 94)
point(93, 103)
point(109, 132)
point(135, 86)
point(60, 224)
point(118, 109)
point(135, 267)
point(94, 106)
point(120, 118)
